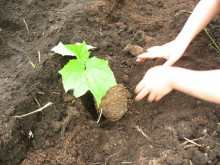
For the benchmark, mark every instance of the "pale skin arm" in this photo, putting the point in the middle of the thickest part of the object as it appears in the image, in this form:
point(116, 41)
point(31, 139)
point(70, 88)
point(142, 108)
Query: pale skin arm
point(203, 13)
point(161, 80)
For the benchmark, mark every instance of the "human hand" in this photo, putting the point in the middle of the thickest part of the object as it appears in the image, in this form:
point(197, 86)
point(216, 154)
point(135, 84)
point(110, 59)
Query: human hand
point(171, 51)
point(156, 83)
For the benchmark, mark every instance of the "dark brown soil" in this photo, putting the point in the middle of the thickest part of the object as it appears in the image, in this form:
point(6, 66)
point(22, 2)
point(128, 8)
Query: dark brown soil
point(156, 133)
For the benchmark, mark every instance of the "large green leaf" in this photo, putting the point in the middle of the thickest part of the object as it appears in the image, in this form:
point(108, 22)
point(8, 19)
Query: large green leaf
point(81, 51)
point(100, 77)
point(74, 77)
point(85, 74)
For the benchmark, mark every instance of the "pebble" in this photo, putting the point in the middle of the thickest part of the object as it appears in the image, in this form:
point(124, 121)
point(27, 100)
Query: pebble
point(184, 130)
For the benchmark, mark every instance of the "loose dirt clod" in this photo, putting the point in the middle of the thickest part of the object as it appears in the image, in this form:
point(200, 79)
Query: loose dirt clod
point(115, 103)
point(135, 50)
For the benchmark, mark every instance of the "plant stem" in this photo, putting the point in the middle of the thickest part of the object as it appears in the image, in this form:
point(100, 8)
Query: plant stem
point(212, 40)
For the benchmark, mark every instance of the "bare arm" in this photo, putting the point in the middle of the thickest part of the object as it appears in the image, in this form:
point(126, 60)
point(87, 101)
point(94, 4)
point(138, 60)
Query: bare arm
point(203, 13)
point(201, 84)
point(161, 80)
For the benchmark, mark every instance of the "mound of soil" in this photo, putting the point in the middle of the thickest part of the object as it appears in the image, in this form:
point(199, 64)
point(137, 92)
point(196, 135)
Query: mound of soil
point(115, 103)
point(177, 130)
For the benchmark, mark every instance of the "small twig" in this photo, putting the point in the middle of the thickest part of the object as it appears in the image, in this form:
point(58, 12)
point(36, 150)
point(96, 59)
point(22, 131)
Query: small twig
point(26, 26)
point(183, 11)
point(147, 137)
point(56, 93)
point(38, 103)
point(190, 162)
point(38, 110)
point(191, 141)
point(100, 31)
point(187, 141)
point(100, 115)
point(215, 130)
point(126, 162)
point(112, 155)
point(38, 55)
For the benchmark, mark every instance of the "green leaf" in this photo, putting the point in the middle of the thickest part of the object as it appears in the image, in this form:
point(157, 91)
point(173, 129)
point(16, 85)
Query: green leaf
point(85, 74)
point(74, 77)
point(81, 51)
point(64, 49)
point(100, 78)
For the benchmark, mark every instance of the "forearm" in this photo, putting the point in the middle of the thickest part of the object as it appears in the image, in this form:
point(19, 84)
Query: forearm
point(202, 84)
point(203, 13)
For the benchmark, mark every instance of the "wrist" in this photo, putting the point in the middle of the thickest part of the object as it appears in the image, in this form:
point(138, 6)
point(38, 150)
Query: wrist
point(170, 77)
point(182, 43)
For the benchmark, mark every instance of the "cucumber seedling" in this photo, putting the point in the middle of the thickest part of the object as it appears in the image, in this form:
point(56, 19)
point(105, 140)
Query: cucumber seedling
point(84, 73)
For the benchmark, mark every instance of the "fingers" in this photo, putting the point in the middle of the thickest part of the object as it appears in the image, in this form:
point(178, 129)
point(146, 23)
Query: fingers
point(142, 94)
point(142, 57)
point(154, 52)
point(140, 86)
point(140, 60)
point(151, 97)
point(145, 91)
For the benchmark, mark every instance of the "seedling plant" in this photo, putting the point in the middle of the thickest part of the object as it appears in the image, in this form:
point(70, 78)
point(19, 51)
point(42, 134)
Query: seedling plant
point(83, 73)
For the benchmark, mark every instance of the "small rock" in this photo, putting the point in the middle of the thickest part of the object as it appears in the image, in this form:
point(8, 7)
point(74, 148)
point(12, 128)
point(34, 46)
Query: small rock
point(184, 130)
point(68, 98)
point(135, 50)
point(148, 39)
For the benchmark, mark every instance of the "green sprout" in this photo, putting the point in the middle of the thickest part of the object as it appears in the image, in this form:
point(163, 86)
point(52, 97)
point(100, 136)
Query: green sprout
point(212, 40)
point(32, 64)
point(83, 73)
point(189, 12)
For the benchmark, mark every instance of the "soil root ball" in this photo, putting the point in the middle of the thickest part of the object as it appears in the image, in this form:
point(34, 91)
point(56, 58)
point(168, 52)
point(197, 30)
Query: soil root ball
point(135, 50)
point(114, 104)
